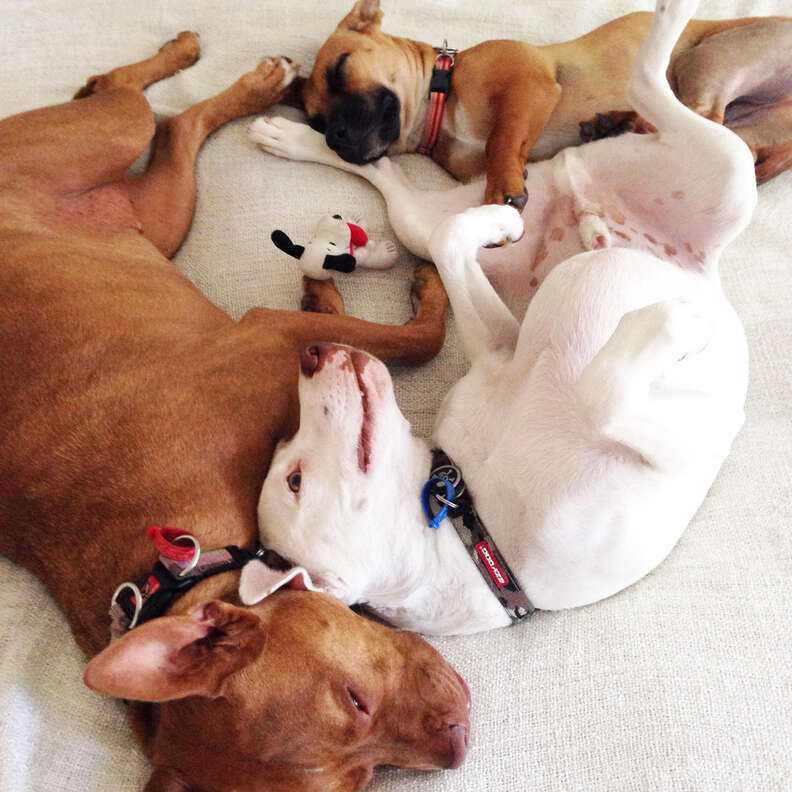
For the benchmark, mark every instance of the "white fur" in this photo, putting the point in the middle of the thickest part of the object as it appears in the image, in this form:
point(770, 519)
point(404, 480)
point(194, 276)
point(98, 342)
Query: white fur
point(607, 381)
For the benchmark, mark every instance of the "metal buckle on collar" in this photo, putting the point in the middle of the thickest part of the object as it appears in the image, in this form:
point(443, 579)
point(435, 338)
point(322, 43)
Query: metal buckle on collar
point(137, 598)
point(446, 52)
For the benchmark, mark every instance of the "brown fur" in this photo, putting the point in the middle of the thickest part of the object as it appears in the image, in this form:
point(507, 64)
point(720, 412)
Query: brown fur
point(128, 399)
point(507, 94)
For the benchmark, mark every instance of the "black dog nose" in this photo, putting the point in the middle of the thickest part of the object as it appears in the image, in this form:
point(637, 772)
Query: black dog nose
point(337, 136)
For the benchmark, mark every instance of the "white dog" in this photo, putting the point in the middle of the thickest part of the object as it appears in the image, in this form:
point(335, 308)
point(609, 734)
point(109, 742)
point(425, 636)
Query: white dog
point(588, 431)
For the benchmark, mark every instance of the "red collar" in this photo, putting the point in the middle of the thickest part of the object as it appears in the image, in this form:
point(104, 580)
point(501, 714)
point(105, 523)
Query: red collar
point(439, 88)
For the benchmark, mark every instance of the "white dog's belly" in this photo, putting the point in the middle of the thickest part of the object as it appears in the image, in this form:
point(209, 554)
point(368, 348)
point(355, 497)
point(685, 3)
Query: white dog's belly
point(577, 517)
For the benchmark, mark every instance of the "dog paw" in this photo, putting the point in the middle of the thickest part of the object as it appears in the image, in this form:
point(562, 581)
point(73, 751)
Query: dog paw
point(671, 330)
point(285, 138)
point(426, 286)
point(509, 190)
point(593, 232)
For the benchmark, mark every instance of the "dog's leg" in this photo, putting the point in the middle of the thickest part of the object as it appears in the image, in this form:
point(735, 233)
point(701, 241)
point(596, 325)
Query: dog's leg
point(691, 185)
point(416, 341)
point(521, 111)
point(413, 213)
point(484, 322)
point(74, 147)
point(164, 198)
point(174, 56)
point(321, 296)
point(633, 394)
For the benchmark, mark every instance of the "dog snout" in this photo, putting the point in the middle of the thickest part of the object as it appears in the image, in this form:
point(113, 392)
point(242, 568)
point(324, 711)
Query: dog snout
point(450, 744)
point(314, 356)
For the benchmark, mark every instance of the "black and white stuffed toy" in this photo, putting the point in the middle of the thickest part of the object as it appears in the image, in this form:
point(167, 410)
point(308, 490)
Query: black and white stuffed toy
point(337, 246)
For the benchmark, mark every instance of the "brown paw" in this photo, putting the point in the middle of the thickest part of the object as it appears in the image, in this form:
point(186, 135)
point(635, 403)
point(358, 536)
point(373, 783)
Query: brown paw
point(426, 290)
point(321, 297)
point(509, 191)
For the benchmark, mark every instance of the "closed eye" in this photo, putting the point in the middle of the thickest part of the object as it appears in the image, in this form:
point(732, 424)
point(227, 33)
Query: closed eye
point(358, 701)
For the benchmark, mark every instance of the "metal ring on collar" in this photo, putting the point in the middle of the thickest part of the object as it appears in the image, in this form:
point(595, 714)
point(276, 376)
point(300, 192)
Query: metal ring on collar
point(138, 601)
point(196, 554)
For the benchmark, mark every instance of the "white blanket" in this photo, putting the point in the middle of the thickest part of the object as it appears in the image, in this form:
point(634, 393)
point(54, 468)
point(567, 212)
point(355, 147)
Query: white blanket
point(682, 682)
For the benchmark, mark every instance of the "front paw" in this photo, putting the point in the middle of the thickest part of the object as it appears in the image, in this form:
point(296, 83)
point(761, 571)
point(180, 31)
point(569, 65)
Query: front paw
point(509, 191)
point(285, 138)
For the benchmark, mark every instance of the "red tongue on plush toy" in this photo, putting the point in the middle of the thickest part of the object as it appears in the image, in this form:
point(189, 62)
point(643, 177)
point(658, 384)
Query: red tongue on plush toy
point(357, 237)
point(259, 581)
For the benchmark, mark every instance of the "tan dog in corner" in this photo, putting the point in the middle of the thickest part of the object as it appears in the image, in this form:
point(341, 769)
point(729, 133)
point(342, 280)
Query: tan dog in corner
point(127, 399)
point(510, 101)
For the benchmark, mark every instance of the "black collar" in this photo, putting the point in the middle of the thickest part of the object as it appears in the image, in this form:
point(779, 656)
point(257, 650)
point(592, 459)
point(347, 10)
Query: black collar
point(133, 604)
point(483, 550)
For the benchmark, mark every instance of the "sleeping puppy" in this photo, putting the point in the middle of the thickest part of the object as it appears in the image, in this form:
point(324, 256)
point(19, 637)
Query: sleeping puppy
point(586, 434)
point(500, 103)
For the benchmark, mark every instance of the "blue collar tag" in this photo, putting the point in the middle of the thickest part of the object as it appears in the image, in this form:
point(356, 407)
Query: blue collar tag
point(436, 519)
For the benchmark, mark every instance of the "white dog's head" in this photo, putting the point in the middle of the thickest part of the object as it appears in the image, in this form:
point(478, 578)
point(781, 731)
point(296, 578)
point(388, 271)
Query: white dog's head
point(331, 499)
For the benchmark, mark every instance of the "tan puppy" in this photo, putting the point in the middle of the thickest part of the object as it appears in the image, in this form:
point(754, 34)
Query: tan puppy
point(512, 101)
point(127, 399)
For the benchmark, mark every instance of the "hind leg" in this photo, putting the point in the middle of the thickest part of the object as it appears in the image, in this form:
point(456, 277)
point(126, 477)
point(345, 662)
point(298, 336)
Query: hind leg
point(635, 393)
point(76, 146)
point(690, 186)
point(164, 197)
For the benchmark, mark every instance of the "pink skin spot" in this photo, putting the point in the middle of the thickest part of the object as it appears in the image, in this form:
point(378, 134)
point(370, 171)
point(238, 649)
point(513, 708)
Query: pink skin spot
point(567, 208)
point(700, 256)
point(623, 235)
point(533, 283)
point(678, 194)
point(670, 250)
point(541, 255)
point(557, 234)
point(651, 239)
point(688, 247)
point(618, 217)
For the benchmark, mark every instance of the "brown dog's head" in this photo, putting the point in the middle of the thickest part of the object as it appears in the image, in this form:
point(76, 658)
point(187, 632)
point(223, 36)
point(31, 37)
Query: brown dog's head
point(295, 693)
point(360, 90)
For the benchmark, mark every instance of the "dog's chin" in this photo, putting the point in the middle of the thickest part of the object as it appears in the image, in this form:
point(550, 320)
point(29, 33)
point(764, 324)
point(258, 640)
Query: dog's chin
point(362, 156)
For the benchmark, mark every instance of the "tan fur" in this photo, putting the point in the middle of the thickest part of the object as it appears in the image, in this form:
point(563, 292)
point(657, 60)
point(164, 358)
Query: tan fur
point(128, 399)
point(507, 96)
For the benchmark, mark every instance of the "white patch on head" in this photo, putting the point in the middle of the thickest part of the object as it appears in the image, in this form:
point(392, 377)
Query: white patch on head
point(347, 449)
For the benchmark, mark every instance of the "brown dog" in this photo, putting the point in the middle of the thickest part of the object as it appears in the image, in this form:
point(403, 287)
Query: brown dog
point(510, 101)
point(127, 398)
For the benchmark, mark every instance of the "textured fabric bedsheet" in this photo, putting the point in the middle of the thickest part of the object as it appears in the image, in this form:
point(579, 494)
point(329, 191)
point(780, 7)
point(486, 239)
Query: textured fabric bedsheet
point(682, 682)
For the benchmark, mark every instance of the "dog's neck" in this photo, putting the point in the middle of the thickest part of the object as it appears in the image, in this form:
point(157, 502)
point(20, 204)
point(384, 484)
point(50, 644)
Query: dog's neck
point(420, 61)
point(430, 583)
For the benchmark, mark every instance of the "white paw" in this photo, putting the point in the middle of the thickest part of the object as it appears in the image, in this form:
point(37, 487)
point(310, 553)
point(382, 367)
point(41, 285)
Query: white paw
point(593, 232)
point(285, 138)
point(680, 326)
point(290, 71)
point(377, 255)
point(478, 227)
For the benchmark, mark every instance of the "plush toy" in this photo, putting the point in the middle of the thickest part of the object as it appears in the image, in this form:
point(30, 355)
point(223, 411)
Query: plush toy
point(337, 246)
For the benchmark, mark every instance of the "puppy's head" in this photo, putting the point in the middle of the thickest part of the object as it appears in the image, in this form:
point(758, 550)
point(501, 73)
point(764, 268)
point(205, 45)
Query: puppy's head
point(356, 91)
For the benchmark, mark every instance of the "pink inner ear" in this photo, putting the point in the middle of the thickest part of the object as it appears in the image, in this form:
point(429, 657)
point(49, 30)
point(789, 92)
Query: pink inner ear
point(298, 583)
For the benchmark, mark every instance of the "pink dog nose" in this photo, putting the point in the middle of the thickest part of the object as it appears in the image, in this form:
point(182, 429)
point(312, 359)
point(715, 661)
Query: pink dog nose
point(310, 359)
point(458, 744)
point(315, 355)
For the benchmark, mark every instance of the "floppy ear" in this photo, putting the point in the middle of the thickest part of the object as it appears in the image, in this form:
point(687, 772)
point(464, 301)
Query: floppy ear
point(345, 262)
point(286, 245)
point(259, 581)
point(177, 656)
point(365, 17)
